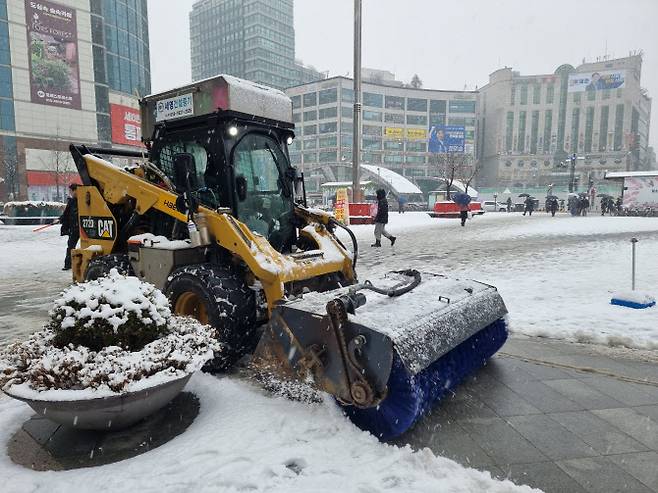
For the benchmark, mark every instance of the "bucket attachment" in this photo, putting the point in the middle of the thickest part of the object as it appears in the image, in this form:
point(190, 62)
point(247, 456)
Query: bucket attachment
point(386, 350)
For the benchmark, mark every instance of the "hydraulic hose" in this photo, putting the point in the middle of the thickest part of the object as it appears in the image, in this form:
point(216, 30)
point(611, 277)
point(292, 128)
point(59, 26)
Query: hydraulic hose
point(355, 245)
point(400, 289)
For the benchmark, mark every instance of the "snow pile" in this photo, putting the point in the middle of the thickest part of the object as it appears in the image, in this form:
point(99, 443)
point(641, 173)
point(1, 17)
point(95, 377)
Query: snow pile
point(243, 440)
point(106, 336)
point(113, 310)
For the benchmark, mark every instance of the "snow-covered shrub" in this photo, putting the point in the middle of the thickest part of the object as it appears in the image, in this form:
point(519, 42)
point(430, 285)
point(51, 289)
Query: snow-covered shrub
point(108, 335)
point(111, 311)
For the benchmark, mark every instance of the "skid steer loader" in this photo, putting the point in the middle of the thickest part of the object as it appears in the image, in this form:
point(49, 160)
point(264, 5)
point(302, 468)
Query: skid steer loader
point(213, 213)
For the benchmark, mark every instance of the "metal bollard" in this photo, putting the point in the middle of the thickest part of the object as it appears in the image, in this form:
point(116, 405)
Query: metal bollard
point(633, 242)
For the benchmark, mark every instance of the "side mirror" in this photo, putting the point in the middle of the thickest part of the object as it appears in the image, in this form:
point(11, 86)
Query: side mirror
point(241, 187)
point(185, 173)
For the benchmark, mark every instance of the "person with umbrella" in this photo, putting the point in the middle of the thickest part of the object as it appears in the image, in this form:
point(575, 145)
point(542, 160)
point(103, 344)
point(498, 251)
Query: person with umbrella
point(462, 200)
point(529, 203)
point(552, 204)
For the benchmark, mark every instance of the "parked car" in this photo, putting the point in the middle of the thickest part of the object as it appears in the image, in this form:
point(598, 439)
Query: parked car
point(491, 206)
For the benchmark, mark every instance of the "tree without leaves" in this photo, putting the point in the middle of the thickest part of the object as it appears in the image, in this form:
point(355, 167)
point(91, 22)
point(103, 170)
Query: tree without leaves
point(416, 83)
point(10, 163)
point(454, 166)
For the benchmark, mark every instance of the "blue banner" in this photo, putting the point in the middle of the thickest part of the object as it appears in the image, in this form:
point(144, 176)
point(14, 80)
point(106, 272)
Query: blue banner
point(446, 138)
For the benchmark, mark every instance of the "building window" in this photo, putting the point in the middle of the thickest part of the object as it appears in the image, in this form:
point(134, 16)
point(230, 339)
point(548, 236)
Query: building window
point(6, 88)
point(550, 93)
point(310, 115)
point(296, 102)
point(310, 157)
point(548, 125)
point(591, 95)
point(603, 128)
point(462, 106)
point(415, 159)
point(327, 157)
point(310, 129)
point(372, 116)
point(393, 145)
point(371, 158)
point(394, 118)
point(328, 128)
point(575, 129)
point(296, 117)
point(606, 94)
point(372, 144)
point(536, 94)
point(520, 138)
point(310, 99)
point(373, 100)
point(437, 106)
point(416, 147)
point(534, 132)
point(393, 158)
point(524, 94)
point(5, 53)
point(509, 131)
point(394, 103)
point(331, 141)
point(437, 119)
point(512, 99)
point(619, 127)
point(7, 115)
point(414, 104)
point(417, 120)
point(328, 96)
point(589, 128)
point(327, 113)
point(576, 98)
point(372, 130)
point(346, 95)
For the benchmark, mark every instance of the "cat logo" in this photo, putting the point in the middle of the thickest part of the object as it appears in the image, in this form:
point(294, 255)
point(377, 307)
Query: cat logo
point(99, 228)
point(105, 229)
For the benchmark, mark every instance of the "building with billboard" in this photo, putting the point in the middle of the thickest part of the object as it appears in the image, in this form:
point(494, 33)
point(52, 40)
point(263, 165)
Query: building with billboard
point(404, 129)
point(250, 39)
point(70, 71)
point(533, 124)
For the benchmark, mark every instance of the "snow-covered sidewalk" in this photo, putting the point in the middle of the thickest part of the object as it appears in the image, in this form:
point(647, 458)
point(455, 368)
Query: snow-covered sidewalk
point(244, 440)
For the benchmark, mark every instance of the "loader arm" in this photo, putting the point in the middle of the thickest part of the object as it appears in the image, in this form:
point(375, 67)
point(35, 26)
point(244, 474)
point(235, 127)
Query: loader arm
point(273, 269)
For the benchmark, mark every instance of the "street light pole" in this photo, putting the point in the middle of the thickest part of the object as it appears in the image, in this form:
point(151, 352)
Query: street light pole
point(572, 173)
point(356, 143)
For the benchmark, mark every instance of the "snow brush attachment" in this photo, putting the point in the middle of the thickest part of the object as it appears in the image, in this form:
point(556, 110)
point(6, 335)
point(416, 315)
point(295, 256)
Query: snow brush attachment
point(386, 350)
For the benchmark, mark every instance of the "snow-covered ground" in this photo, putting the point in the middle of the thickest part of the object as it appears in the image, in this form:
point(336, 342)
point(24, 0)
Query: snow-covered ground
point(555, 274)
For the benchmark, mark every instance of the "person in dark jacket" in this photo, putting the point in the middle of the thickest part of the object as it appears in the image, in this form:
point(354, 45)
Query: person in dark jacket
point(529, 205)
point(463, 213)
point(381, 220)
point(69, 222)
point(509, 204)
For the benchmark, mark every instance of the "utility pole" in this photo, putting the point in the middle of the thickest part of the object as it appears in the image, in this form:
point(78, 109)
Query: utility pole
point(356, 141)
point(572, 173)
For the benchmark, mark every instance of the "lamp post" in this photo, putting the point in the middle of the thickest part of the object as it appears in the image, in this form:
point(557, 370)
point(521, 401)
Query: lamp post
point(356, 144)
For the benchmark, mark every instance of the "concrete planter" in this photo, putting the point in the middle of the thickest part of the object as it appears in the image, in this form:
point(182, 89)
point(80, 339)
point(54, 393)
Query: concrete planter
point(113, 412)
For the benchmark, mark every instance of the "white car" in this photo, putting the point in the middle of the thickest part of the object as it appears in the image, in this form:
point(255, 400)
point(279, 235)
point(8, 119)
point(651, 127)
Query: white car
point(491, 206)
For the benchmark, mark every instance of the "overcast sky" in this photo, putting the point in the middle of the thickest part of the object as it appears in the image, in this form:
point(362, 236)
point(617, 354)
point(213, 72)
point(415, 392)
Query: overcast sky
point(450, 44)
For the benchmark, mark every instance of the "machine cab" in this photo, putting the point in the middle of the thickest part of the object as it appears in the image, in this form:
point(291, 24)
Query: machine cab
point(237, 134)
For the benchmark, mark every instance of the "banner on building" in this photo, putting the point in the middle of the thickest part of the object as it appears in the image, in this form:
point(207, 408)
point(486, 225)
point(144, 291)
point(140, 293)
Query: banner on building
point(446, 138)
point(52, 37)
point(126, 125)
point(342, 206)
point(597, 81)
point(417, 133)
point(394, 132)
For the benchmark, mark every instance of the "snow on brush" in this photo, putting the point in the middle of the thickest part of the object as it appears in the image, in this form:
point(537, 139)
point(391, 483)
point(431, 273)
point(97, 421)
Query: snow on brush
point(244, 440)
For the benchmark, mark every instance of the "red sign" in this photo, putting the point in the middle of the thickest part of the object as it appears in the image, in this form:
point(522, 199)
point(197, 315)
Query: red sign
point(126, 125)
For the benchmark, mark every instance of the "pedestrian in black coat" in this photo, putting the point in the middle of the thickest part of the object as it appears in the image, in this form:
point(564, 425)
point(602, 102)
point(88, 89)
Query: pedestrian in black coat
point(69, 222)
point(529, 206)
point(381, 220)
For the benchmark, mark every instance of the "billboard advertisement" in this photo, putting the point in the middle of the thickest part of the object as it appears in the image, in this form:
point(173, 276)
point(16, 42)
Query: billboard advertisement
point(446, 138)
point(393, 132)
point(597, 81)
point(126, 125)
point(416, 133)
point(641, 192)
point(52, 37)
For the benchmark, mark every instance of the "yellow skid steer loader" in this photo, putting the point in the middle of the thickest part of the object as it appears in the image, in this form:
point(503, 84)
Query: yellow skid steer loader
point(213, 214)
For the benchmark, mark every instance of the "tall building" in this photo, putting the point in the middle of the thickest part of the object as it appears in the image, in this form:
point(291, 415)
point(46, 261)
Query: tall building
point(70, 71)
point(532, 124)
point(397, 127)
point(251, 39)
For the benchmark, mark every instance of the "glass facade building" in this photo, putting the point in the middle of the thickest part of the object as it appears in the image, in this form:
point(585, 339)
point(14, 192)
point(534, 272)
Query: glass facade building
point(395, 132)
point(250, 39)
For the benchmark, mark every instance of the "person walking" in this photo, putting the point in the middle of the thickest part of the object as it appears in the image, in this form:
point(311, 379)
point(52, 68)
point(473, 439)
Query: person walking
point(509, 204)
point(69, 222)
point(529, 205)
point(552, 206)
point(381, 220)
point(400, 205)
point(463, 213)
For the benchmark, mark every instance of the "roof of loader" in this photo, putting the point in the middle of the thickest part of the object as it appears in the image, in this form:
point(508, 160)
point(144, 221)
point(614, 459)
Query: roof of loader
point(219, 93)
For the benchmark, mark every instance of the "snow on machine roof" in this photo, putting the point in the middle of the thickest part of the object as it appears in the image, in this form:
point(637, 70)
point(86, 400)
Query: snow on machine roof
point(223, 93)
